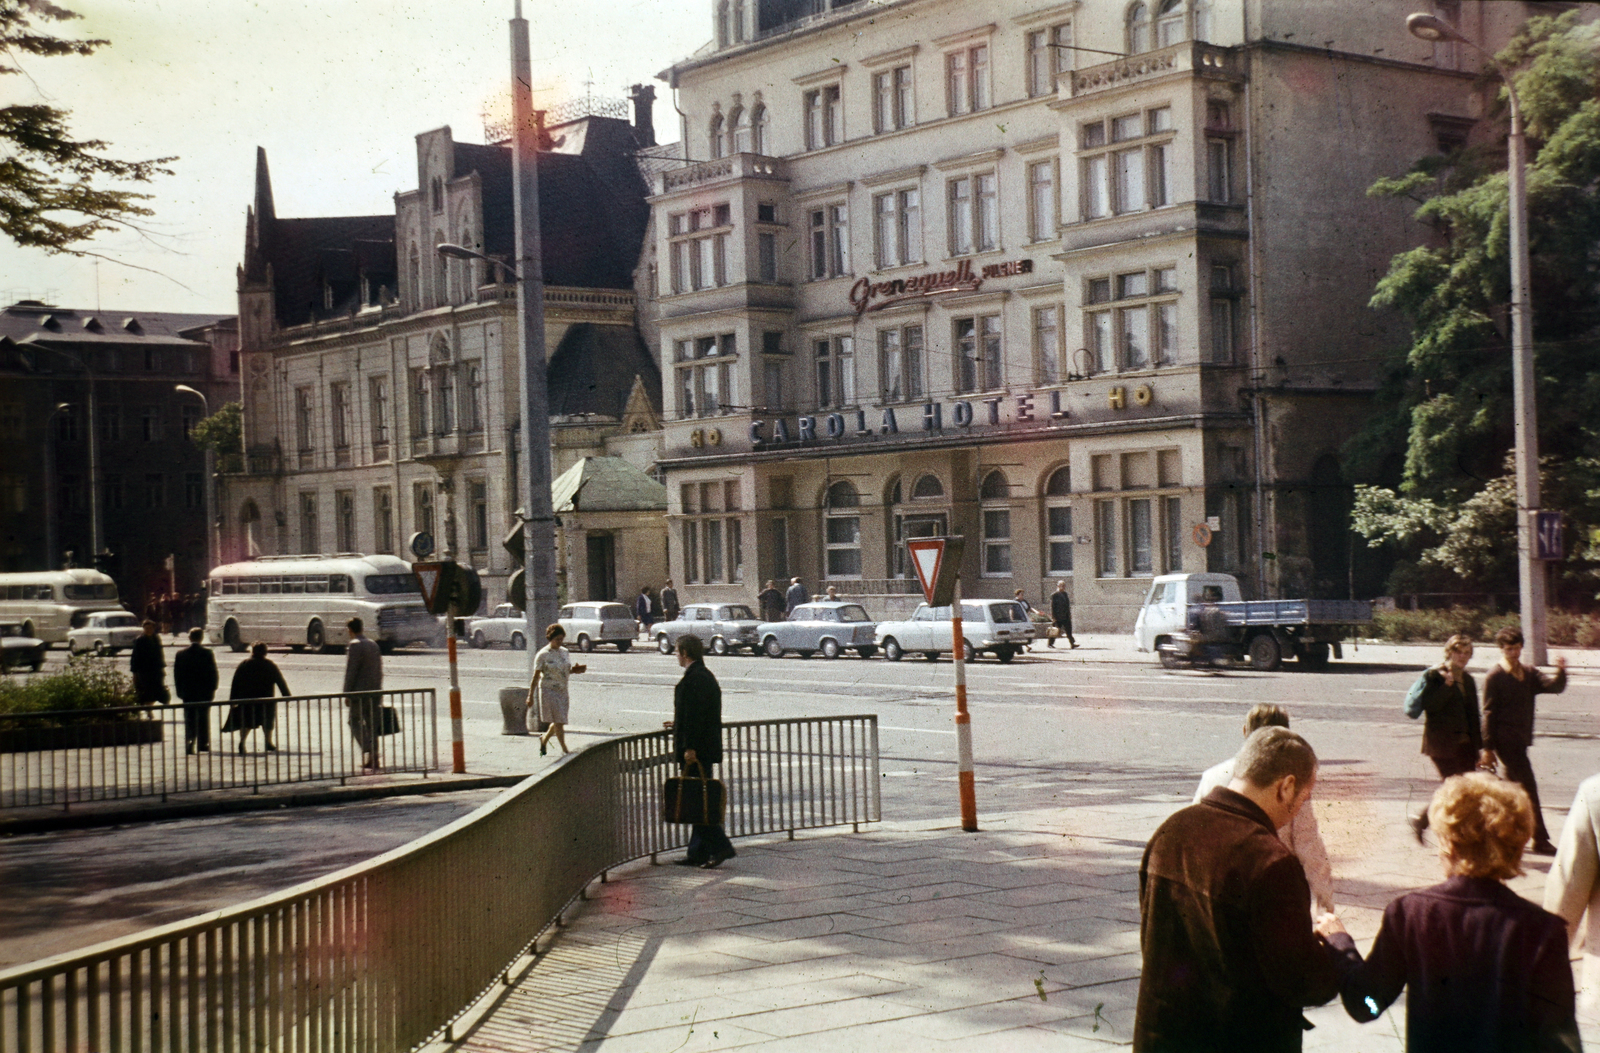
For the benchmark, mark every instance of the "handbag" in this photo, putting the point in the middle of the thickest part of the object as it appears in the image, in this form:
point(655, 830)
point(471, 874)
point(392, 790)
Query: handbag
point(692, 799)
point(389, 723)
point(1053, 633)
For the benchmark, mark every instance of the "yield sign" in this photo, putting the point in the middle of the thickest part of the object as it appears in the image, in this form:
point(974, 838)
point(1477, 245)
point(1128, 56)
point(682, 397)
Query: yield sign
point(937, 561)
point(428, 576)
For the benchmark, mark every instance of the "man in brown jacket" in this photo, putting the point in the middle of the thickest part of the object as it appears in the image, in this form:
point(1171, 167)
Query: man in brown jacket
point(1230, 954)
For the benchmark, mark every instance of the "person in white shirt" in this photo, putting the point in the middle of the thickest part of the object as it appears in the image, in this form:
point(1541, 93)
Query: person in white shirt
point(1301, 835)
point(1573, 887)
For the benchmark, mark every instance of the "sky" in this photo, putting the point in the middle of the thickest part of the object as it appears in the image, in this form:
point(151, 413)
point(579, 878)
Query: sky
point(335, 91)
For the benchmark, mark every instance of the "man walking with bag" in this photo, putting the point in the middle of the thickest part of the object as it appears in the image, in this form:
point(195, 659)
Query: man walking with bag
point(697, 744)
point(148, 664)
point(363, 679)
point(194, 674)
point(1061, 614)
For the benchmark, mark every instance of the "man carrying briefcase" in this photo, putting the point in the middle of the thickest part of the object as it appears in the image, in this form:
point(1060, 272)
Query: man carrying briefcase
point(697, 743)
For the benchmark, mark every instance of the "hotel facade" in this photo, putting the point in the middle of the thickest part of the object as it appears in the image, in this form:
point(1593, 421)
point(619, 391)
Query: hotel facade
point(1086, 284)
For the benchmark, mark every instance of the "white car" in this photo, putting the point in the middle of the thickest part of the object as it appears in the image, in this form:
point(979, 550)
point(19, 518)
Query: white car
point(105, 632)
point(1001, 627)
point(504, 625)
point(588, 624)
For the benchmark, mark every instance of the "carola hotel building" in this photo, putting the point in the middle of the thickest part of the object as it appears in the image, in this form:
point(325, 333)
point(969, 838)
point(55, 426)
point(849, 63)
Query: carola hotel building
point(1086, 283)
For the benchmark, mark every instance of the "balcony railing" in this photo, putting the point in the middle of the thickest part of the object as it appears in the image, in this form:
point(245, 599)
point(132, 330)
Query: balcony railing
point(735, 166)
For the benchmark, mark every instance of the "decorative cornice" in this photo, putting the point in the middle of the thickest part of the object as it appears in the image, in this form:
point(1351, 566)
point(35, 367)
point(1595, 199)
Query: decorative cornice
point(897, 175)
point(885, 58)
point(822, 76)
point(964, 35)
point(969, 160)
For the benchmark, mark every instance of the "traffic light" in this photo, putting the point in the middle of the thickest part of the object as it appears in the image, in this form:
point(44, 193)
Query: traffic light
point(516, 585)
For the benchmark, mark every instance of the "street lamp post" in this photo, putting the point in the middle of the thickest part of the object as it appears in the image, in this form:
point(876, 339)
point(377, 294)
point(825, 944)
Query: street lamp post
point(95, 538)
point(50, 560)
point(211, 482)
point(1530, 570)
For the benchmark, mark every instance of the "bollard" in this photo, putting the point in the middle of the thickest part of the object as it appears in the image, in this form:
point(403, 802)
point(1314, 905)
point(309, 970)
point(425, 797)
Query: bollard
point(514, 710)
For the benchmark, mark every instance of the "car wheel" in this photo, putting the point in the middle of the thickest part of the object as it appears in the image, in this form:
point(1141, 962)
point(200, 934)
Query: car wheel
point(663, 644)
point(1169, 659)
point(969, 651)
point(891, 649)
point(868, 651)
point(830, 648)
point(623, 645)
point(519, 642)
point(232, 637)
point(479, 640)
point(719, 646)
point(1005, 654)
point(584, 643)
point(1264, 653)
point(38, 663)
point(100, 647)
point(773, 648)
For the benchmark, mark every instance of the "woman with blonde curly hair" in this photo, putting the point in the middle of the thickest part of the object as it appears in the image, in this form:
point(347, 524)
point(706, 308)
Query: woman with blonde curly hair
point(1484, 968)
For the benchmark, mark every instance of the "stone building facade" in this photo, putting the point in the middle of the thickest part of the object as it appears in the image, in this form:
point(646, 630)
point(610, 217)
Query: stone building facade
point(381, 380)
point(1085, 283)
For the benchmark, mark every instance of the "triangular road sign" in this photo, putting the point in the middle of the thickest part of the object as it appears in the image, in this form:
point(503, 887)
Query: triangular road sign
point(428, 576)
point(927, 556)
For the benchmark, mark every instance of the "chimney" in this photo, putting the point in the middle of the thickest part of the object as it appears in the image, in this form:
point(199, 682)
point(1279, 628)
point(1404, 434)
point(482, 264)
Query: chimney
point(644, 127)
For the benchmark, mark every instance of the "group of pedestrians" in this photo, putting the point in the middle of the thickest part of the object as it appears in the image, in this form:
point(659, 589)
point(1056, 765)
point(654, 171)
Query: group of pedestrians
point(1237, 929)
point(195, 678)
point(174, 612)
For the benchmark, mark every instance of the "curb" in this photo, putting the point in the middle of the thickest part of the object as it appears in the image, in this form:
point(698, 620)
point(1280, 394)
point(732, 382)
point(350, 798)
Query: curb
point(150, 813)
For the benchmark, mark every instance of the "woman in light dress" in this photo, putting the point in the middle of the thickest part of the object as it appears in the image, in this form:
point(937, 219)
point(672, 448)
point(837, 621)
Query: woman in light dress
point(551, 667)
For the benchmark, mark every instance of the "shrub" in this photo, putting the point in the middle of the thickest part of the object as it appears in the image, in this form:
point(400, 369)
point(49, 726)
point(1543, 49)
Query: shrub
point(87, 683)
point(1432, 626)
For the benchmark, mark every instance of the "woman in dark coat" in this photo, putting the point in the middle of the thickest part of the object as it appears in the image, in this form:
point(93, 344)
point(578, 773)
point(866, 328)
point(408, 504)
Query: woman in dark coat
point(1485, 971)
point(255, 678)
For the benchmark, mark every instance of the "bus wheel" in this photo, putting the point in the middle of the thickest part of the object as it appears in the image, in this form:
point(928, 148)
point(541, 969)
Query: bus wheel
point(232, 637)
point(316, 639)
point(386, 647)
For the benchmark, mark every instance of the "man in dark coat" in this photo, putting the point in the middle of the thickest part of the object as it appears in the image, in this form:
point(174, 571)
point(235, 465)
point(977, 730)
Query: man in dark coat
point(363, 680)
point(1230, 955)
point(796, 595)
point(255, 678)
point(1061, 613)
point(770, 600)
point(697, 741)
point(194, 675)
point(669, 602)
point(148, 665)
point(1508, 694)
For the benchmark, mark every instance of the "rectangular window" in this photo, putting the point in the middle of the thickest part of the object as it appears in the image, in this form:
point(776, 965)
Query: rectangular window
point(1222, 331)
point(422, 507)
point(997, 542)
point(772, 384)
point(974, 214)
point(843, 546)
point(691, 550)
point(378, 406)
point(1106, 537)
point(1128, 180)
point(1059, 539)
point(445, 405)
point(967, 79)
point(1160, 175)
point(194, 490)
point(310, 538)
point(835, 372)
point(477, 514)
point(897, 228)
point(1172, 513)
point(830, 241)
point(988, 216)
point(961, 216)
point(1135, 338)
point(713, 550)
point(1096, 188)
point(344, 512)
point(1047, 62)
point(1166, 323)
point(978, 354)
point(1101, 347)
point(1218, 174)
point(190, 417)
point(1047, 348)
point(891, 91)
point(150, 420)
point(110, 425)
point(1141, 549)
point(419, 403)
point(766, 257)
point(1042, 201)
point(339, 408)
point(474, 405)
point(824, 118)
point(383, 519)
point(111, 493)
point(1137, 174)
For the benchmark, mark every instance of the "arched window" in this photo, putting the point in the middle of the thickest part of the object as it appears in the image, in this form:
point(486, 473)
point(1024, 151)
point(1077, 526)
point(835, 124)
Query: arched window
point(759, 131)
point(1169, 23)
point(843, 531)
point(1138, 28)
point(468, 268)
point(416, 276)
point(715, 135)
point(723, 36)
point(927, 486)
point(440, 293)
point(1202, 19)
point(994, 492)
point(738, 131)
point(436, 194)
point(1058, 522)
point(736, 21)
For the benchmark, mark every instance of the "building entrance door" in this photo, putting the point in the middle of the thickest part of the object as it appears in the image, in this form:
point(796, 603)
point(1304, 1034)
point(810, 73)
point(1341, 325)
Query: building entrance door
point(933, 524)
point(602, 553)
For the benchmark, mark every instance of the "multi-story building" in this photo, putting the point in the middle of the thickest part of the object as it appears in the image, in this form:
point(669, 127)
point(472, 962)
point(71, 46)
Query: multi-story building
point(145, 479)
point(381, 379)
point(1085, 283)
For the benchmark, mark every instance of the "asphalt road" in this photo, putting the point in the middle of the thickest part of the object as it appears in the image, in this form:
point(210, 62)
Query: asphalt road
point(1048, 730)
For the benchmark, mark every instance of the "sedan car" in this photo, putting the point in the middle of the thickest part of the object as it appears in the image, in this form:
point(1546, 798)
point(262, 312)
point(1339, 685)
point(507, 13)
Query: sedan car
point(17, 650)
point(829, 626)
point(1000, 627)
point(722, 627)
point(105, 632)
point(588, 624)
point(504, 625)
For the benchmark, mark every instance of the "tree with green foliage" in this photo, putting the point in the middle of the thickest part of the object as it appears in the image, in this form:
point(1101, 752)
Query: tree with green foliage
point(52, 192)
point(1442, 427)
point(223, 434)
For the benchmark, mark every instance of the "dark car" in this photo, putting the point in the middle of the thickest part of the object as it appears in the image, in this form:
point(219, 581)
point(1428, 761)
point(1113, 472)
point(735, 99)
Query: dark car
point(18, 650)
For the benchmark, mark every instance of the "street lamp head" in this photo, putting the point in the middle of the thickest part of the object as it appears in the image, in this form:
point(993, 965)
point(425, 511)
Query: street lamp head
point(457, 252)
point(187, 390)
point(1433, 28)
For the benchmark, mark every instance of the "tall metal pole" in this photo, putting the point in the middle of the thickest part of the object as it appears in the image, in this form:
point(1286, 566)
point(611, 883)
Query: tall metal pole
point(211, 485)
point(539, 521)
point(95, 538)
point(1530, 570)
point(964, 775)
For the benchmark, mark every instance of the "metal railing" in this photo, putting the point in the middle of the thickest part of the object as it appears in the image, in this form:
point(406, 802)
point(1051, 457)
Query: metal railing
point(384, 955)
point(62, 758)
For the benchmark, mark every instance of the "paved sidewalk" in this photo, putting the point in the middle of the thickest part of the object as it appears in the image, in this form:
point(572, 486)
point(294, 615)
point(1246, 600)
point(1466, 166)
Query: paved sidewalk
point(911, 936)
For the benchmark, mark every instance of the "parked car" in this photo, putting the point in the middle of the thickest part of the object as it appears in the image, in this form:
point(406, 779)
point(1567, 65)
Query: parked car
point(588, 624)
point(105, 632)
point(829, 626)
point(18, 650)
point(1000, 627)
point(504, 625)
point(722, 627)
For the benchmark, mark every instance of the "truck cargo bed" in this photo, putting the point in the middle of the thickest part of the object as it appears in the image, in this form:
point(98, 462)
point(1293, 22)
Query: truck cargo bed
point(1297, 612)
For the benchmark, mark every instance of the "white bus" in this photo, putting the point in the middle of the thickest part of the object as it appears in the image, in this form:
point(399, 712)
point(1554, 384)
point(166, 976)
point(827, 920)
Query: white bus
point(303, 602)
point(49, 602)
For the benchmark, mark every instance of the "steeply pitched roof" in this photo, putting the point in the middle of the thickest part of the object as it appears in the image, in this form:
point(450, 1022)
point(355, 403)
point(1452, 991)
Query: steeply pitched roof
point(35, 322)
point(606, 484)
point(594, 368)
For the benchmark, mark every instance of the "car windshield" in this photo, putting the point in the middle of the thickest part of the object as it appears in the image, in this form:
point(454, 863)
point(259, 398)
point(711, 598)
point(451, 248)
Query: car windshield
point(738, 612)
point(89, 592)
point(853, 612)
point(615, 610)
point(120, 620)
point(391, 584)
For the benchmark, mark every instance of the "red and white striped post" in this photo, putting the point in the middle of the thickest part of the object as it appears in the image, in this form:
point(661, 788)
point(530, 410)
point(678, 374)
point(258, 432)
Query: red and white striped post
point(458, 746)
point(969, 799)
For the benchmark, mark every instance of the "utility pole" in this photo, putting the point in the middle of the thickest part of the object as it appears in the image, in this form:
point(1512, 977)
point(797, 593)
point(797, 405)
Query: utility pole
point(538, 524)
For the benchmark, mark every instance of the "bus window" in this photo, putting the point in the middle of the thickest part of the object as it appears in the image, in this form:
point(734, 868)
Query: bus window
point(272, 586)
point(294, 583)
point(390, 584)
point(317, 582)
point(340, 583)
point(83, 592)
